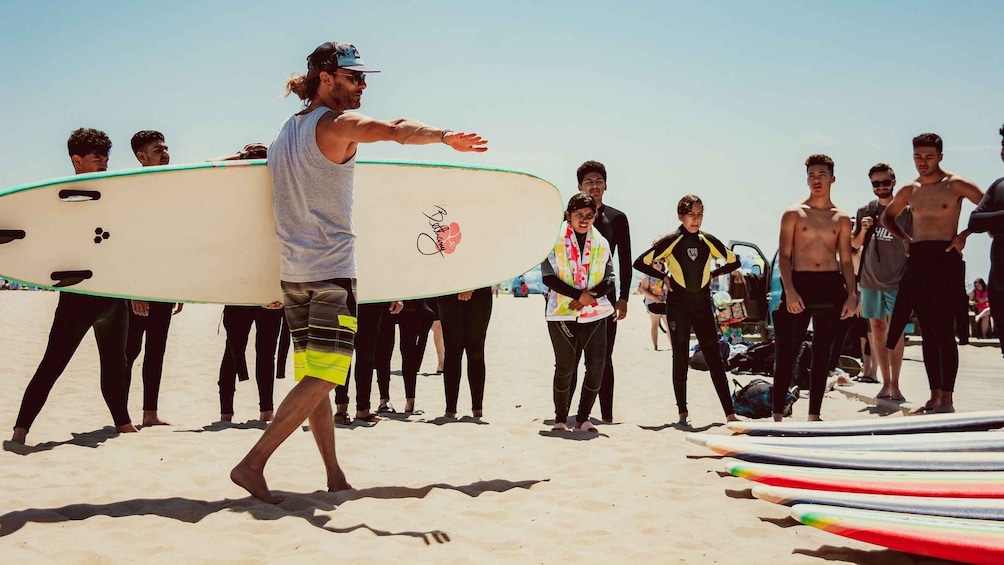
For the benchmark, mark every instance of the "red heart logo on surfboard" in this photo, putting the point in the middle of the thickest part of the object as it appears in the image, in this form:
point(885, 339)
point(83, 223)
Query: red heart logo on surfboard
point(449, 238)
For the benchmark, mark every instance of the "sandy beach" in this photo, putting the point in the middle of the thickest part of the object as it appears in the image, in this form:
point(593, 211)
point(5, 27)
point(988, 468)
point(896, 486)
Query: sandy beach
point(505, 490)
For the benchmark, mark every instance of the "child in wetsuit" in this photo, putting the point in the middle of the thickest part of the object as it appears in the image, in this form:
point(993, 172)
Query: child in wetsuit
point(688, 253)
point(579, 273)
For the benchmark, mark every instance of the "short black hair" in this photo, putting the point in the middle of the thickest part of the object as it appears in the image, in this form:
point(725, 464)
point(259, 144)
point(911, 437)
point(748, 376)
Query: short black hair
point(881, 168)
point(579, 201)
point(85, 141)
point(928, 140)
point(591, 167)
point(143, 137)
point(819, 159)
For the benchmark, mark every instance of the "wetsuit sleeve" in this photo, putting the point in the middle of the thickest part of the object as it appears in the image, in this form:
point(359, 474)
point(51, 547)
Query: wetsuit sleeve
point(720, 250)
point(984, 217)
point(644, 262)
point(554, 283)
point(622, 233)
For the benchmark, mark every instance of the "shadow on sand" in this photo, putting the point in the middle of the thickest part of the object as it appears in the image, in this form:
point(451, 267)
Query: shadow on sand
point(296, 505)
point(87, 439)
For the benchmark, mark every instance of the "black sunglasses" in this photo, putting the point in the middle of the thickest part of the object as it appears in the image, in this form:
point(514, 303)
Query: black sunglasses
point(887, 182)
point(357, 77)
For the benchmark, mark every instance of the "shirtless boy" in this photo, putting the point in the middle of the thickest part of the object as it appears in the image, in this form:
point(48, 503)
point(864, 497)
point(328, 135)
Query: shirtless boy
point(818, 283)
point(933, 284)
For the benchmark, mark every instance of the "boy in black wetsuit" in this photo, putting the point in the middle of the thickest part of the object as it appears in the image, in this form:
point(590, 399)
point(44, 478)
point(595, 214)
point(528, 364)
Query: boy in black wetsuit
point(78, 313)
point(688, 253)
point(817, 273)
point(989, 217)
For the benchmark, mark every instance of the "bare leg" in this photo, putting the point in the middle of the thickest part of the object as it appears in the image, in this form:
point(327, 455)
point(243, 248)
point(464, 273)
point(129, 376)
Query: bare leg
point(880, 329)
point(655, 330)
point(301, 401)
point(150, 419)
point(437, 338)
point(322, 425)
point(868, 361)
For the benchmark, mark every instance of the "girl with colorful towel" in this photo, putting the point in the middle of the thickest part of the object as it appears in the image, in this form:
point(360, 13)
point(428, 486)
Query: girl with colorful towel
point(578, 273)
point(653, 289)
point(688, 254)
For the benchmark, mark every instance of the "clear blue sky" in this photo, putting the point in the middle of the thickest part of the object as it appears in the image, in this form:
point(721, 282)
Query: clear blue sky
point(722, 99)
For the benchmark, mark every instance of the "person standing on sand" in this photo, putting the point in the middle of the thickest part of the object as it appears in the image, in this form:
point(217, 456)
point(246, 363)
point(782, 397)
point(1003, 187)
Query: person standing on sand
point(613, 226)
point(150, 318)
point(934, 282)
point(689, 255)
point(579, 273)
point(78, 313)
point(989, 217)
point(883, 260)
point(312, 162)
point(817, 275)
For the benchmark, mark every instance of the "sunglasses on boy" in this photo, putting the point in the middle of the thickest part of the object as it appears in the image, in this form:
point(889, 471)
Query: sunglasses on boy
point(357, 77)
point(887, 182)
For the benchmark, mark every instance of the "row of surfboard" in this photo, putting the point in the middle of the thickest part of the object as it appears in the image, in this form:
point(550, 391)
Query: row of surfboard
point(930, 485)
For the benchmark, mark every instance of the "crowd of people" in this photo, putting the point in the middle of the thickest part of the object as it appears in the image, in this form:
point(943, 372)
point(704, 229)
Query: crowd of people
point(907, 241)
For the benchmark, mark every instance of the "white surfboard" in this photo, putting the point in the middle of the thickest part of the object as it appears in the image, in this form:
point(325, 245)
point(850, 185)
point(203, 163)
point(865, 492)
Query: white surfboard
point(205, 232)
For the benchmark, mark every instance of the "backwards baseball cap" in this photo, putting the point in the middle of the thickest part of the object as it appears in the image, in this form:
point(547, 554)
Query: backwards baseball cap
point(332, 55)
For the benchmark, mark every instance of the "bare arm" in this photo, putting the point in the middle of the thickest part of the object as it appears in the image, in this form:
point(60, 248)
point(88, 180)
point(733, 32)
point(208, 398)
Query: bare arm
point(965, 188)
point(847, 267)
point(860, 230)
point(357, 128)
point(898, 204)
point(785, 248)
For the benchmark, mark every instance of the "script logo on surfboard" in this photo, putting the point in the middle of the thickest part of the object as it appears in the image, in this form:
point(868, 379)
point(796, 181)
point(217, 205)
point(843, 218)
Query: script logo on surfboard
point(444, 238)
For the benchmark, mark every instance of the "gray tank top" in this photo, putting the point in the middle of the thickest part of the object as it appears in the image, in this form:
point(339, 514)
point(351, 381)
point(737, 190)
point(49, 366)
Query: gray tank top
point(312, 202)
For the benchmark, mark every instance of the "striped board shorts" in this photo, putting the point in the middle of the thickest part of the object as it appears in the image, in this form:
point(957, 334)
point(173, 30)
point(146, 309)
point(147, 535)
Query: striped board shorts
point(322, 319)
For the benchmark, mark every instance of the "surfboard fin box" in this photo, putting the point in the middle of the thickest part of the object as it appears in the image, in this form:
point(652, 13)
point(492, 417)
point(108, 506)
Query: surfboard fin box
point(70, 278)
point(7, 236)
point(79, 195)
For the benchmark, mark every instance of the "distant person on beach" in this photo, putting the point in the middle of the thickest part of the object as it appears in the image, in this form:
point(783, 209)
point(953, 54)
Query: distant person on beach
point(579, 273)
point(612, 224)
point(653, 289)
point(817, 276)
point(149, 317)
point(415, 321)
point(237, 321)
point(979, 300)
point(883, 260)
point(464, 318)
point(933, 284)
point(989, 217)
point(312, 162)
point(78, 313)
point(688, 254)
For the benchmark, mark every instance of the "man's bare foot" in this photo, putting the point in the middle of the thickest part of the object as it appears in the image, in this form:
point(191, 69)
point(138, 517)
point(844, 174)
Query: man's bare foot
point(478, 413)
point(253, 482)
point(337, 482)
point(226, 417)
point(944, 409)
point(778, 417)
point(684, 418)
point(814, 418)
point(150, 419)
point(897, 395)
point(559, 427)
point(367, 416)
point(586, 426)
point(608, 420)
point(930, 408)
point(450, 415)
point(266, 416)
point(126, 428)
point(20, 435)
point(409, 405)
point(733, 418)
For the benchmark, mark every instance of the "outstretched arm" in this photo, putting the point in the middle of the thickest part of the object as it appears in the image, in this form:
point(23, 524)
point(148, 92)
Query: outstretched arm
point(358, 128)
point(847, 268)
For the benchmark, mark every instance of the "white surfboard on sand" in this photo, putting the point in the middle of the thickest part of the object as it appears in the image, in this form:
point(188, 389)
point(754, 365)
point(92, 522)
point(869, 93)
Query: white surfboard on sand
point(205, 232)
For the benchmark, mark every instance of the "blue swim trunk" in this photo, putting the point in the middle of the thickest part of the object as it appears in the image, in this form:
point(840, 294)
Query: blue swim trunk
point(877, 303)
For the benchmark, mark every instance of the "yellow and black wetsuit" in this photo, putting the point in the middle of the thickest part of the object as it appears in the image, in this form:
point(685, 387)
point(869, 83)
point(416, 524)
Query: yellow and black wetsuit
point(688, 258)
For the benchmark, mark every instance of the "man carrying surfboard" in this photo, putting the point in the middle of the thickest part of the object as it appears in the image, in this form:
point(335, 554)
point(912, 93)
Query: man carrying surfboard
point(989, 217)
point(150, 318)
point(933, 284)
point(312, 162)
point(818, 279)
point(78, 313)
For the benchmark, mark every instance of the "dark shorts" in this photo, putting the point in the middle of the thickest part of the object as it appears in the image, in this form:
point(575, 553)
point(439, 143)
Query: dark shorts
point(322, 319)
